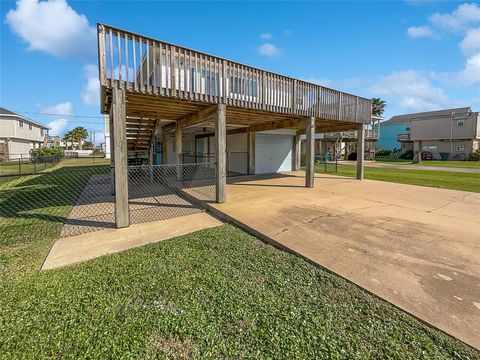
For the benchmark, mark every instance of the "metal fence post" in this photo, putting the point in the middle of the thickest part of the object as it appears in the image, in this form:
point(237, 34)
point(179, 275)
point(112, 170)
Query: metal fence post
point(20, 165)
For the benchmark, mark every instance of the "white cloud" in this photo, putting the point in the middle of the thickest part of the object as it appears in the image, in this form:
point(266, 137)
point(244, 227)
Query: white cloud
point(57, 127)
point(420, 31)
point(470, 75)
point(269, 50)
point(91, 91)
point(470, 44)
point(65, 108)
point(266, 36)
point(413, 89)
point(464, 21)
point(53, 27)
point(460, 19)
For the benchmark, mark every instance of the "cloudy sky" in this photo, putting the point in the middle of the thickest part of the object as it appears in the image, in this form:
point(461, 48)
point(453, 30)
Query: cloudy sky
point(418, 55)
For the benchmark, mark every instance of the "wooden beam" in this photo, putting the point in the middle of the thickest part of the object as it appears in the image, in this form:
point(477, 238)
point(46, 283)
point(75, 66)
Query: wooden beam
point(220, 152)
point(198, 117)
point(310, 159)
point(283, 124)
point(120, 157)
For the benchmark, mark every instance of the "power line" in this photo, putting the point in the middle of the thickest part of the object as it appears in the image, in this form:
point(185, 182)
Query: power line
point(68, 115)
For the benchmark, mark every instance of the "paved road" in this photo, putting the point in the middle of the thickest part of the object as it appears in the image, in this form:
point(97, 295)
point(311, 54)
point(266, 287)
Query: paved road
point(415, 167)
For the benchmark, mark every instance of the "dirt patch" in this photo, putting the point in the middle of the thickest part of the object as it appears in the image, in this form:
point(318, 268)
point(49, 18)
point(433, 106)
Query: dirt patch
point(172, 347)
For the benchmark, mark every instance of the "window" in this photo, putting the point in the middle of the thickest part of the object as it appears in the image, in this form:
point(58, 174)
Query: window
point(30, 127)
point(244, 85)
point(20, 123)
point(42, 132)
point(459, 148)
point(461, 122)
point(407, 127)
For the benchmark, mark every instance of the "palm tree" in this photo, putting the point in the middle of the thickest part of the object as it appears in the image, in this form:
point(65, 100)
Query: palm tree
point(68, 138)
point(378, 106)
point(79, 134)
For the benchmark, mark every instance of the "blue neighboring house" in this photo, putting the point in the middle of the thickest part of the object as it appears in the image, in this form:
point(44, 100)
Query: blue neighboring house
point(390, 131)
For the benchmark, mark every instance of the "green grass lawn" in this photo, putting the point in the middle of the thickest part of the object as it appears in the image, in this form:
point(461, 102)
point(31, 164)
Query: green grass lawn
point(218, 293)
point(439, 179)
point(84, 162)
point(455, 164)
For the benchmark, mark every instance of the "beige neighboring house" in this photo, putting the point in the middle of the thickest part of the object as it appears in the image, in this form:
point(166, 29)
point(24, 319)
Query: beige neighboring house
point(19, 135)
point(451, 134)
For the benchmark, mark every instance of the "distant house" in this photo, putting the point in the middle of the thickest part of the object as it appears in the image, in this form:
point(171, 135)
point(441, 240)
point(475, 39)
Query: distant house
point(343, 144)
point(19, 135)
point(448, 134)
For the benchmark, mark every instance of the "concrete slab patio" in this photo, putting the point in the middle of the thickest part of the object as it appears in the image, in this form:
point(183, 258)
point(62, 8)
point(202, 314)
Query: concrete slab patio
point(416, 247)
point(74, 249)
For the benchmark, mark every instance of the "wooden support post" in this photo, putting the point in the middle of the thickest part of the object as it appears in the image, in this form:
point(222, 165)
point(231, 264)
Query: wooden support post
point(112, 152)
point(298, 151)
point(178, 144)
point(417, 151)
point(220, 152)
point(118, 116)
point(251, 152)
point(360, 151)
point(310, 159)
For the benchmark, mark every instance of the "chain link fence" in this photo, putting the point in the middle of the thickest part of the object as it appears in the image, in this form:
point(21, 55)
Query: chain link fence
point(74, 200)
point(27, 165)
point(158, 192)
point(57, 203)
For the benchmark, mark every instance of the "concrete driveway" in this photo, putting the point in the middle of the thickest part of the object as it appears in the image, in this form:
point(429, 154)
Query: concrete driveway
point(416, 247)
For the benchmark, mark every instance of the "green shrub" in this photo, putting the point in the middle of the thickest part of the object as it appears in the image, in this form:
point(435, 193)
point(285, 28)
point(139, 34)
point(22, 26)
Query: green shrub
point(475, 155)
point(383, 152)
point(47, 152)
point(407, 155)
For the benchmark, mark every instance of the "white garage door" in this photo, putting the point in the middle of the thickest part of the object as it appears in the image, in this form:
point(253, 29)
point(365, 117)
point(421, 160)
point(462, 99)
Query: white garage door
point(273, 153)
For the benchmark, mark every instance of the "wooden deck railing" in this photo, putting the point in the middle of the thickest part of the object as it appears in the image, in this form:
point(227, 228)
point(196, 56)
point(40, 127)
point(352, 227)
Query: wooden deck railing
point(369, 134)
point(141, 64)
